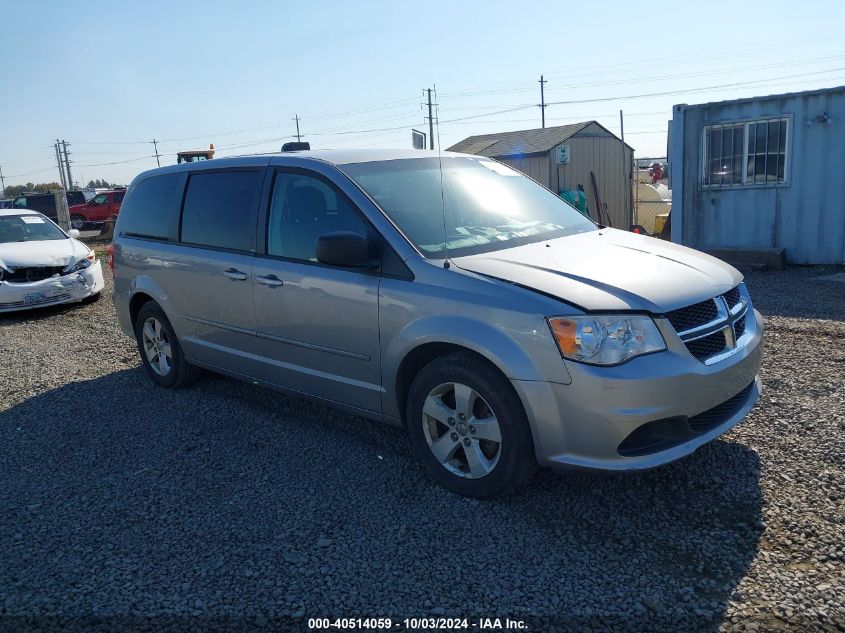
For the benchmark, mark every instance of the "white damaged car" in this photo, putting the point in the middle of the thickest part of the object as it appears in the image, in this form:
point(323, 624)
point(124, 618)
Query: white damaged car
point(42, 265)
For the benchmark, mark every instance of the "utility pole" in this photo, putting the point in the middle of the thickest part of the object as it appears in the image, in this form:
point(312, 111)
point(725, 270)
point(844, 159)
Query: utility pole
point(430, 122)
point(59, 163)
point(155, 146)
point(2, 183)
point(542, 103)
point(67, 165)
point(298, 135)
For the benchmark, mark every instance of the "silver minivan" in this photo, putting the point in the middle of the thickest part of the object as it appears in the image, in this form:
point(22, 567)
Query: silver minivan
point(450, 295)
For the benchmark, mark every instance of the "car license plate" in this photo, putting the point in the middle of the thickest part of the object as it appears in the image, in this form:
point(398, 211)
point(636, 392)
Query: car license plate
point(34, 297)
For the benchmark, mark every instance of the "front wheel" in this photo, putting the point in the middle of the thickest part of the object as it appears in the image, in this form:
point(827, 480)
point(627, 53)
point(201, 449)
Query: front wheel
point(468, 427)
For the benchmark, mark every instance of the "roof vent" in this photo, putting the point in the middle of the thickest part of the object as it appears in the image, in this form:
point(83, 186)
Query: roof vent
point(295, 146)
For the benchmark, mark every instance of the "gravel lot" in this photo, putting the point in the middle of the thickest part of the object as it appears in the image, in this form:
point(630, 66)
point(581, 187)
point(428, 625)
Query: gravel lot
point(225, 506)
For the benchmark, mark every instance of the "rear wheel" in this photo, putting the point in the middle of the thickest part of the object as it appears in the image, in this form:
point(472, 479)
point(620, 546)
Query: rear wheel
point(161, 353)
point(469, 428)
point(77, 221)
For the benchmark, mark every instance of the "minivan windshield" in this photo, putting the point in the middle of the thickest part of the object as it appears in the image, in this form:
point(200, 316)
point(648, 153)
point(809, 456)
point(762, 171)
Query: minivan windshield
point(477, 205)
point(28, 228)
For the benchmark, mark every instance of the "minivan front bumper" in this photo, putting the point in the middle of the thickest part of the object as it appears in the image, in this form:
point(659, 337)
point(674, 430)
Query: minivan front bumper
point(585, 424)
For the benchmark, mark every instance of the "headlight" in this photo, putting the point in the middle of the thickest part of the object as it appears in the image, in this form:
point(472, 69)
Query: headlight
point(606, 339)
point(84, 263)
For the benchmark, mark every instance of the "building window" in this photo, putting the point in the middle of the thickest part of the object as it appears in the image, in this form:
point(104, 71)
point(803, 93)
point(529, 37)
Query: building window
point(748, 153)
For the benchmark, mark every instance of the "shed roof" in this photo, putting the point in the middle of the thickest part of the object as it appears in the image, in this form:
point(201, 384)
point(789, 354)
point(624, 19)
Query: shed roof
point(519, 142)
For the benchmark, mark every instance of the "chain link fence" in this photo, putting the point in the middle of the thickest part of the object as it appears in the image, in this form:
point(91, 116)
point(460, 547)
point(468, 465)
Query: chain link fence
point(95, 234)
point(94, 215)
point(653, 199)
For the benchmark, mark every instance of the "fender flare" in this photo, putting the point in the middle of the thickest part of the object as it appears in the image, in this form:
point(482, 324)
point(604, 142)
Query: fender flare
point(480, 337)
point(146, 285)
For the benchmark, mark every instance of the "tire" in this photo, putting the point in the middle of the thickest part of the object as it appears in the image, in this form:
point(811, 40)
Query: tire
point(475, 465)
point(171, 371)
point(77, 220)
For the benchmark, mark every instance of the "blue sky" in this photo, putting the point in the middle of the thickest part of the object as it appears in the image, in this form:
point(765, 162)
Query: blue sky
point(110, 76)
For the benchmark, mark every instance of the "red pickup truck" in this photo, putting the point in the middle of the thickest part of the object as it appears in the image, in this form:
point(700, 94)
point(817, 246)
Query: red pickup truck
point(100, 208)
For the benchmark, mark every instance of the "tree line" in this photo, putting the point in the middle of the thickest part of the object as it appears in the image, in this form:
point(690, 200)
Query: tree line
point(12, 191)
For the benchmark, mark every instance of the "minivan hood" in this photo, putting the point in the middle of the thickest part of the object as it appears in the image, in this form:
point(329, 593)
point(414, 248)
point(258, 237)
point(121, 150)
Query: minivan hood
point(41, 253)
point(610, 269)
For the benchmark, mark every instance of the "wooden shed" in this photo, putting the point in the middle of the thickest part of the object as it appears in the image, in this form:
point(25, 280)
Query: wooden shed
point(563, 157)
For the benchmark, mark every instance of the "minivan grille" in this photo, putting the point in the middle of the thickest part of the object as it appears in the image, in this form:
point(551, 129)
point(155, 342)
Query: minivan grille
point(739, 326)
point(711, 327)
point(704, 348)
point(692, 316)
point(732, 297)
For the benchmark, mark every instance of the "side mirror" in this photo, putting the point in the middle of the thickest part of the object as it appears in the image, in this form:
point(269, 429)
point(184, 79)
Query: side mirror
point(343, 248)
point(73, 233)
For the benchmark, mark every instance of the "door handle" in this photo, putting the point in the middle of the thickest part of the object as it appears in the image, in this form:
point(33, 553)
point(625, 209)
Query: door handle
point(234, 274)
point(269, 280)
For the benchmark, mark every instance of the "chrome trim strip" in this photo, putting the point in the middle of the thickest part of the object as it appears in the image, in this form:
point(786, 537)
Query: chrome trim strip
point(741, 342)
point(711, 327)
point(279, 339)
point(704, 331)
point(222, 326)
point(739, 307)
point(318, 348)
point(725, 322)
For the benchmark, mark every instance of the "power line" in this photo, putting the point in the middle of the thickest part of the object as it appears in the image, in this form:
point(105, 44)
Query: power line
point(724, 71)
point(492, 113)
point(316, 118)
point(119, 162)
point(671, 60)
point(689, 90)
point(346, 131)
point(568, 118)
point(265, 141)
point(32, 173)
point(640, 96)
point(662, 77)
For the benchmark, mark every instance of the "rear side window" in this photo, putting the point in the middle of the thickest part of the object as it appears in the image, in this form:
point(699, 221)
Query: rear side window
point(152, 208)
point(221, 209)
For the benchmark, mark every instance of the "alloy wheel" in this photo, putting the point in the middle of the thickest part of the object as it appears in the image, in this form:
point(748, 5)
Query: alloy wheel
point(157, 346)
point(462, 430)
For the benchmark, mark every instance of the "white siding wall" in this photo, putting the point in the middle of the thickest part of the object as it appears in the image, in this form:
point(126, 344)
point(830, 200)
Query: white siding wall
point(537, 167)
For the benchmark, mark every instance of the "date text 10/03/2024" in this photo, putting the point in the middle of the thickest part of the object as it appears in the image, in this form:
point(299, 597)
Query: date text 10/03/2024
point(416, 624)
